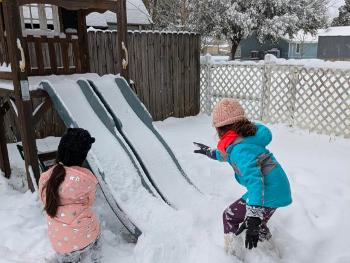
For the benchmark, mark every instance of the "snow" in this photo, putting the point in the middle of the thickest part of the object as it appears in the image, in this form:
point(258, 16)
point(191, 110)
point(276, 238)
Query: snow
point(313, 229)
point(271, 59)
point(302, 37)
point(5, 68)
point(336, 31)
point(146, 144)
point(137, 14)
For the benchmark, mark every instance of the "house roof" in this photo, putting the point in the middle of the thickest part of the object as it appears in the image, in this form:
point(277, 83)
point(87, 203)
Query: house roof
point(302, 37)
point(336, 31)
point(137, 14)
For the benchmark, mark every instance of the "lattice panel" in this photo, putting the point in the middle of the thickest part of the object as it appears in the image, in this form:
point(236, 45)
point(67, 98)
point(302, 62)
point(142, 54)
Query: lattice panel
point(314, 99)
point(204, 88)
point(323, 101)
point(236, 81)
point(278, 94)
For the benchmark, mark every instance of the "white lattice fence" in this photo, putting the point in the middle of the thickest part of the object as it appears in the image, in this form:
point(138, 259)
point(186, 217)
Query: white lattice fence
point(242, 82)
point(314, 99)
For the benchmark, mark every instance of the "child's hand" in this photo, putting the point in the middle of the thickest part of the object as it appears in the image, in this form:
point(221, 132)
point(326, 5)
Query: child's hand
point(203, 149)
point(252, 224)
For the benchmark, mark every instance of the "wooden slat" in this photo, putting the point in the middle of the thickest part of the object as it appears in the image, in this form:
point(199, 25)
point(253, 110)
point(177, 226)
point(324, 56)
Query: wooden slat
point(65, 58)
point(53, 60)
point(39, 55)
point(4, 157)
point(175, 74)
point(147, 58)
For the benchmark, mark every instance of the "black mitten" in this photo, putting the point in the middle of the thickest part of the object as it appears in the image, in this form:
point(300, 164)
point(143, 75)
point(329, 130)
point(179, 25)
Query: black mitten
point(252, 224)
point(203, 149)
point(206, 150)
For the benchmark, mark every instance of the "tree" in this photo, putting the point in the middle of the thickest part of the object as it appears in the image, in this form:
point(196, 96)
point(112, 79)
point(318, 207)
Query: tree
point(344, 15)
point(170, 14)
point(269, 19)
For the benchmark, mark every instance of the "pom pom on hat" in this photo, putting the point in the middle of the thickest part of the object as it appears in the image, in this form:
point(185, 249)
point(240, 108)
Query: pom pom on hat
point(227, 111)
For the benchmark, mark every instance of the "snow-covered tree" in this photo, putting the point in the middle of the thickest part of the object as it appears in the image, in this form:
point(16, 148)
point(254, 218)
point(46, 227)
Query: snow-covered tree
point(269, 19)
point(170, 14)
point(344, 15)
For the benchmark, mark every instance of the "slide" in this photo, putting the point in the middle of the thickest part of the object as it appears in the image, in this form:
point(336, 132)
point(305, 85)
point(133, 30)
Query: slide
point(123, 181)
point(135, 125)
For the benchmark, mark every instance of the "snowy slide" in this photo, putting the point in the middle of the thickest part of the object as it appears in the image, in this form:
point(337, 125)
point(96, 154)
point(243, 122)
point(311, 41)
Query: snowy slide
point(123, 182)
point(135, 124)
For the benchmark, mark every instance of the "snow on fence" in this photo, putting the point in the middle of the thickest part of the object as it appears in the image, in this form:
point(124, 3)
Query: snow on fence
point(313, 98)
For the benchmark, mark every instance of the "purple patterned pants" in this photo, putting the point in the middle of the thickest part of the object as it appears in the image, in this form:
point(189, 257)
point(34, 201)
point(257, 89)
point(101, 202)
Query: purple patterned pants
point(235, 214)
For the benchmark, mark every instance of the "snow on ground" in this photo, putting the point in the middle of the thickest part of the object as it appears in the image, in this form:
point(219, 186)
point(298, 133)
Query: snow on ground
point(313, 229)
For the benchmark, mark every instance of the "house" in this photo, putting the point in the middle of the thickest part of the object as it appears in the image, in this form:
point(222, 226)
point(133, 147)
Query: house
point(334, 43)
point(300, 46)
point(44, 19)
point(137, 15)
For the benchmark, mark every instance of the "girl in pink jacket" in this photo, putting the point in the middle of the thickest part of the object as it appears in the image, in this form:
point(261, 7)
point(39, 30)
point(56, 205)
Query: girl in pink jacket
point(68, 193)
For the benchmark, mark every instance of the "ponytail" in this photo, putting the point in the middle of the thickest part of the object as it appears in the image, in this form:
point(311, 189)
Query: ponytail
point(52, 186)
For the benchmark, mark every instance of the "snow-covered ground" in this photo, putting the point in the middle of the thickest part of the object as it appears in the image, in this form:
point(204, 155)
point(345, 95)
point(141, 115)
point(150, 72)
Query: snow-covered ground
point(313, 229)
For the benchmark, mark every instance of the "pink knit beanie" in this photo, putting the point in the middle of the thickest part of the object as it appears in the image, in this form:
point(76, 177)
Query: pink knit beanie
point(226, 112)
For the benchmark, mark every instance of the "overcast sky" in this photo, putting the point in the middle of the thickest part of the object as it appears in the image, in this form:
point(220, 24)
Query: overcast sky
point(333, 7)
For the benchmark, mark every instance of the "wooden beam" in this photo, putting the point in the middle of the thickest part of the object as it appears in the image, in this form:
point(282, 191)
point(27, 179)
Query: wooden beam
point(76, 4)
point(21, 91)
point(6, 75)
point(122, 37)
point(4, 157)
point(41, 110)
point(83, 42)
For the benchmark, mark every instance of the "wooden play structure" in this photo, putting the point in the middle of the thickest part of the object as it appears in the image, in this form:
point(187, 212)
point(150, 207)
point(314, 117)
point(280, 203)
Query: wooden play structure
point(43, 37)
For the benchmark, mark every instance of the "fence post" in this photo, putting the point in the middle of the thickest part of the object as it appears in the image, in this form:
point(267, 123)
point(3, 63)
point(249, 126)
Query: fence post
point(294, 75)
point(208, 64)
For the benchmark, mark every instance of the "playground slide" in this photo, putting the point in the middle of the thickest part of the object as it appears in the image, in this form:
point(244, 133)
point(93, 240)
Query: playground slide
point(124, 184)
point(135, 125)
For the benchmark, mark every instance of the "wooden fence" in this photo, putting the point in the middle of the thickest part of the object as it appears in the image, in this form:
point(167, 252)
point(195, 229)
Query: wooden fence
point(165, 68)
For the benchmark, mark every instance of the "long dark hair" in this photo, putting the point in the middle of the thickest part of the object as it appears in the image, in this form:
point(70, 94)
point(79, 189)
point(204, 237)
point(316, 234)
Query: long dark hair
point(72, 151)
point(244, 128)
point(57, 177)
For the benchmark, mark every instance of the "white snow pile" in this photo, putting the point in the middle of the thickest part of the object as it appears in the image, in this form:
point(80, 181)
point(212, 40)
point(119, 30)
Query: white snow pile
point(336, 31)
point(271, 59)
point(5, 68)
point(313, 229)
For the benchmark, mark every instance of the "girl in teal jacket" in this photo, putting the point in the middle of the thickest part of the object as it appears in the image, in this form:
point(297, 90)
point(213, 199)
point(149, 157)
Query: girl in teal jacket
point(243, 145)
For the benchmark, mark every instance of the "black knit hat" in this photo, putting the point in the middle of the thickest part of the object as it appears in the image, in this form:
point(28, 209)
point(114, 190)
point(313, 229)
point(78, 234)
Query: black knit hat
point(74, 147)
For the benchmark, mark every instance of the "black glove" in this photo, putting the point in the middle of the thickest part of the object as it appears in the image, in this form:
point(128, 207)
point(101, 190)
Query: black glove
point(252, 224)
point(203, 149)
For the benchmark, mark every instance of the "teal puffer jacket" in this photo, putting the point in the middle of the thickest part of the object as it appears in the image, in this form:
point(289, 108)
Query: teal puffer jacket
point(257, 170)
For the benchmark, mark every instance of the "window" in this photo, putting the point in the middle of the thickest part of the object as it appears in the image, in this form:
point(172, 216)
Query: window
point(40, 19)
point(297, 50)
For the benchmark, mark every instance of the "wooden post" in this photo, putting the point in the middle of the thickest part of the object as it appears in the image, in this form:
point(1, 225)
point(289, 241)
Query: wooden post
point(122, 37)
point(83, 41)
point(21, 89)
point(4, 157)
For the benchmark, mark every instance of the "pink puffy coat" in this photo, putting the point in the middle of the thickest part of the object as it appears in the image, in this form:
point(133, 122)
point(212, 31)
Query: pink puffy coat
point(75, 226)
